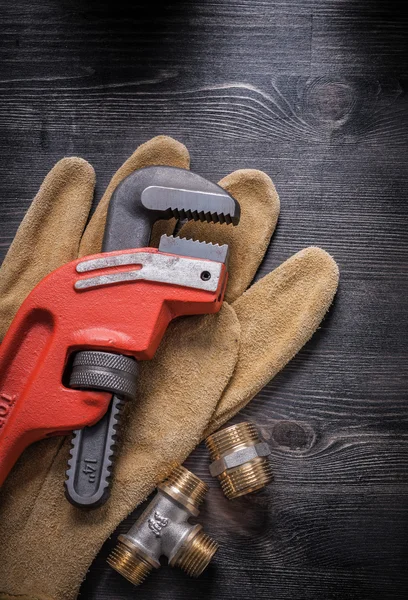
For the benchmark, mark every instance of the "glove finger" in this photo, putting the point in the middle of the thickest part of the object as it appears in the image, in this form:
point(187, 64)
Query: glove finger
point(248, 241)
point(163, 424)
point(49, 234)
point(277, 315)
point(161, 150)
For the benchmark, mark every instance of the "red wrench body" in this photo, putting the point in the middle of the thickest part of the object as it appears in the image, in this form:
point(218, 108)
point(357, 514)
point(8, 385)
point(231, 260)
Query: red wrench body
point(115, 310)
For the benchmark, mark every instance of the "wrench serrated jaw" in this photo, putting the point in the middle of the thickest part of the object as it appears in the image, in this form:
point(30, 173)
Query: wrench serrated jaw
point(91, 459)
point(193, 205)
point(193, 249)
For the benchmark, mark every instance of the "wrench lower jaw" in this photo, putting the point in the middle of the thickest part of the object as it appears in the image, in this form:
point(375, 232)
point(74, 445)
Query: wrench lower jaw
point(93, 448)
point(90, 467)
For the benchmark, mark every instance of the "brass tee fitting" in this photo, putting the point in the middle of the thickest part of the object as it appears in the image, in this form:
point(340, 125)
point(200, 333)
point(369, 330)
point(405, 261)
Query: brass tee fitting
point(240, 459)
point(163, 530)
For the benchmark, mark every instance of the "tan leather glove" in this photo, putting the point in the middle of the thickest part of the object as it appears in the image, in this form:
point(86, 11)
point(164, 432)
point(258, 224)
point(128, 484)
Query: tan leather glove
point(205, 370)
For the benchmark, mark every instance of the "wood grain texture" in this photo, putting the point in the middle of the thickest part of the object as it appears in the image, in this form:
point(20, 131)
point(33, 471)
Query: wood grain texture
point(314, 93)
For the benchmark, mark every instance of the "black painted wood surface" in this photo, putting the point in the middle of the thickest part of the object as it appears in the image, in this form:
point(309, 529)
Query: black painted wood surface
point(314, 93)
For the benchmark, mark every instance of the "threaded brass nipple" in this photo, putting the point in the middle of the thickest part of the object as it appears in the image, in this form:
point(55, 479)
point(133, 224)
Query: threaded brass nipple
point(240, 459)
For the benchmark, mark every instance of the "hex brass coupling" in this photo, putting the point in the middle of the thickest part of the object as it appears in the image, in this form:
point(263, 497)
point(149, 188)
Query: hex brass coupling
point(240, 459)
point(163, 530)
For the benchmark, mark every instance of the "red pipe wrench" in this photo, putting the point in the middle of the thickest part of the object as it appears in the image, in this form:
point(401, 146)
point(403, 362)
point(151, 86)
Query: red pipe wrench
point(116, 302)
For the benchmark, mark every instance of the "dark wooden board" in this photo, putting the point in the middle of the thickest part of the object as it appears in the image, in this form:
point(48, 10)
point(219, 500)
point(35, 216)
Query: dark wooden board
point(314, 93)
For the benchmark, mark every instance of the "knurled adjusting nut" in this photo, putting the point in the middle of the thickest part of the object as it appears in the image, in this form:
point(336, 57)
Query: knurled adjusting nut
point(238, 458)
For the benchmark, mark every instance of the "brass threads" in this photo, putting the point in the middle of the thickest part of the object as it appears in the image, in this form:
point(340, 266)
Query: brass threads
point(240, 459)
point(246, 479)
point(185, 487)
point(195, 555)
point(164, 529)
point(129, 563)
point(228, 439)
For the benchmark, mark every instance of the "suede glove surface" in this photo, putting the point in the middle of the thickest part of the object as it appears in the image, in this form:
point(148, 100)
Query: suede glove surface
point(206, 369)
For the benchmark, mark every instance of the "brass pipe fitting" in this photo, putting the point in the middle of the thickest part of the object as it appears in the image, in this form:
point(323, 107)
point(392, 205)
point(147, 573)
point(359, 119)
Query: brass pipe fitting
point(240, 459)
point(163, 530)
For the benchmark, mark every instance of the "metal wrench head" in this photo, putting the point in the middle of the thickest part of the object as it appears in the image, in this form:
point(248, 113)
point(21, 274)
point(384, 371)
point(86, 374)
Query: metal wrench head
point(155, 193)
point(144, 197)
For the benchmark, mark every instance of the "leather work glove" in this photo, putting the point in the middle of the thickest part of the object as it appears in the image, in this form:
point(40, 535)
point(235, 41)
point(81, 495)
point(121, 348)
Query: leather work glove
point(206, 369)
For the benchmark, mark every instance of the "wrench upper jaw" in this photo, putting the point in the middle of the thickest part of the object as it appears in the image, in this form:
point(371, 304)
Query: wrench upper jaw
point(155, 193)
point(210, 207)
